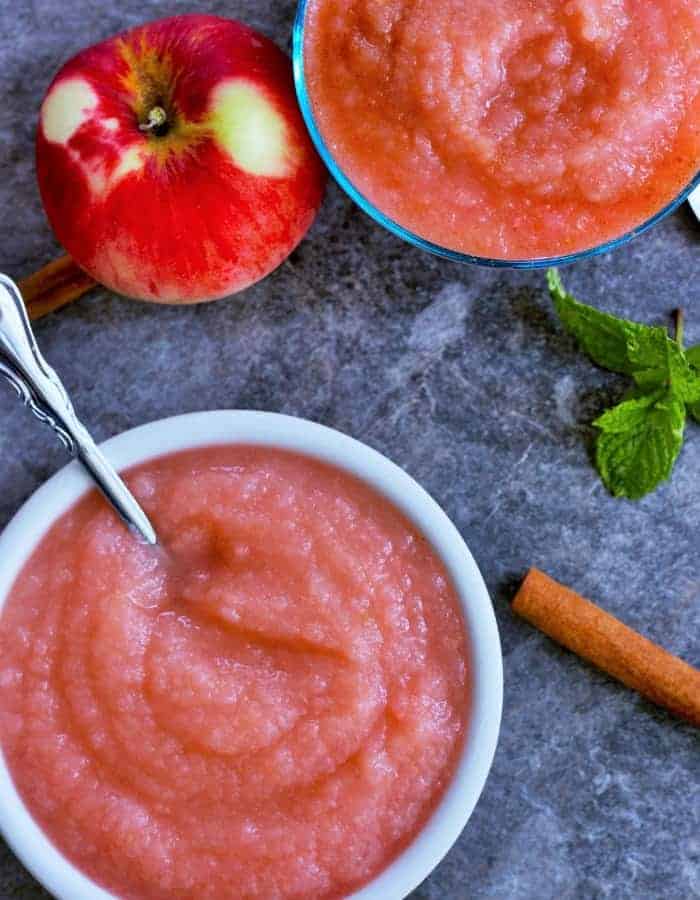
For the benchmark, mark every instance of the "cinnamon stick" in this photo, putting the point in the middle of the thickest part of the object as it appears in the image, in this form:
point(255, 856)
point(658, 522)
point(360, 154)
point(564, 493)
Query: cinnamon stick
point(54, 286)
point(607, 643)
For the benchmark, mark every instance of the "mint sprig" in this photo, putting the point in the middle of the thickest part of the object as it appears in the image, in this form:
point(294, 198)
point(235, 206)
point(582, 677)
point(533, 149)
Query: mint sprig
point(640, 439)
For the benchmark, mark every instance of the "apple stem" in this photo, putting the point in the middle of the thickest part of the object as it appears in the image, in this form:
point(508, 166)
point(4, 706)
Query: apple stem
point(157, 118)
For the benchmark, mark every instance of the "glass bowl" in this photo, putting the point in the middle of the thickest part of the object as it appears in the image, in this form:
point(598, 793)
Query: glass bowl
point(417, 240)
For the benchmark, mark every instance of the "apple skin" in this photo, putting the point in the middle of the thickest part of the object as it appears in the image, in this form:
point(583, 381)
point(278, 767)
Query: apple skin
point(196, 208)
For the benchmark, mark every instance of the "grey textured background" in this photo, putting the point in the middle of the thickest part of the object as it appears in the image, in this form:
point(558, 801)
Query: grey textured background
point(462, 377)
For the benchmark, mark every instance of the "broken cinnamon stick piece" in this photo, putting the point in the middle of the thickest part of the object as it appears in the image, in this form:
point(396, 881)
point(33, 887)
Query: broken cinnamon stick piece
point(610, 645)
point(54, 286)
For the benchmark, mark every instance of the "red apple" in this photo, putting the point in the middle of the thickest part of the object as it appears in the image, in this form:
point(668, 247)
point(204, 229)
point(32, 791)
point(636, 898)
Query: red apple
point(173, 161)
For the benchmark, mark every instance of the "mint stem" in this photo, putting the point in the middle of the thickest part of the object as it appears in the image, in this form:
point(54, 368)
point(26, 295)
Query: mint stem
point(679, 317)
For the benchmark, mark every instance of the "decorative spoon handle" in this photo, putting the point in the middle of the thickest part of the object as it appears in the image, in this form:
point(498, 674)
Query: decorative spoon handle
point(41, 389)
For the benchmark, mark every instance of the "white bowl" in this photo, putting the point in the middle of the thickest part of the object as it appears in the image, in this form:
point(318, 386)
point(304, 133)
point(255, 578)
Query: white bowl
point(27, 528)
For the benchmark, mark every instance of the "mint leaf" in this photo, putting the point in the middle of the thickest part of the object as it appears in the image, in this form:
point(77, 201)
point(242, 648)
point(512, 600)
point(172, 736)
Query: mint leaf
point(639, 443)
point(651, 379)
point(692, 354)
point(628, 414)
point(649, 346)
point(686, 385)
point(613, 343)
point(681, 377)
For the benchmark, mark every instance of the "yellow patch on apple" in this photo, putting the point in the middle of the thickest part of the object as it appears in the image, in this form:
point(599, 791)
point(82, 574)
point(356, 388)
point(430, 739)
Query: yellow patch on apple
point(100, 183)
point(68, 106)
point(251, 130)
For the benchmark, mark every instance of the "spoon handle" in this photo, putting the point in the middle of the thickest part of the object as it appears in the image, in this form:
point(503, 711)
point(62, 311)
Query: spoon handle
point(38, 385)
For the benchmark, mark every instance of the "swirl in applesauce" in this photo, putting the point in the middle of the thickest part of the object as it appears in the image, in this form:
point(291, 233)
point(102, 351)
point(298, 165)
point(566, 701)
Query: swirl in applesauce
point(270, 709)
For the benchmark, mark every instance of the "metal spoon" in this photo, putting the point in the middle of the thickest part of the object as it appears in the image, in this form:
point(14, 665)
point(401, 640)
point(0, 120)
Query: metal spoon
point(41, 389)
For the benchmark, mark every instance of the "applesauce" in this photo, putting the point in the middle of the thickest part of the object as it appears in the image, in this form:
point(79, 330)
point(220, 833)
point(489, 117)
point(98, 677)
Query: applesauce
point(505, 128)
point(269, 705)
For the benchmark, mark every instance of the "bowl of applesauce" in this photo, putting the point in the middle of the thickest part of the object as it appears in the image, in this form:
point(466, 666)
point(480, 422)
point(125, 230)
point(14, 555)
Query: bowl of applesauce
point(505, 132)
point(296, 694)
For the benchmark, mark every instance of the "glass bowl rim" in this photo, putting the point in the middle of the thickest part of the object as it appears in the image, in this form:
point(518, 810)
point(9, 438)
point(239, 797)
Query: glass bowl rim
point(411, 237)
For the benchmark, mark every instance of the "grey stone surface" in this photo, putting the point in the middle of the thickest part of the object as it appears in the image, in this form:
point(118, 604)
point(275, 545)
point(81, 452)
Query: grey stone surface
point(462, 377)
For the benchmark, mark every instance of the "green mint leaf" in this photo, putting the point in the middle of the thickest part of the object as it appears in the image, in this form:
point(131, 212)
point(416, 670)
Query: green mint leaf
point(686, 385)
point(673, 371)
point(682, 378)
point(651, 379)
point(613, 343)
point(694, 410)
point(639, 442)
point(649, 346)
point(628, 414)
point(692, 354)
point(691, 394)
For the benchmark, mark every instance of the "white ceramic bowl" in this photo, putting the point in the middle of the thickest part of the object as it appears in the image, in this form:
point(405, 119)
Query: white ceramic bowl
point(24, 532)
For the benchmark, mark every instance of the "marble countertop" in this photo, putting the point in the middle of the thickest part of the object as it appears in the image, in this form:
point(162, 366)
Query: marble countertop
point(461, 376)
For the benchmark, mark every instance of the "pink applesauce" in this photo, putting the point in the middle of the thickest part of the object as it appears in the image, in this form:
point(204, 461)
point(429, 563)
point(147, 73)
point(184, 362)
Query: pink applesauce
point(510, 129)
point(268, 708)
